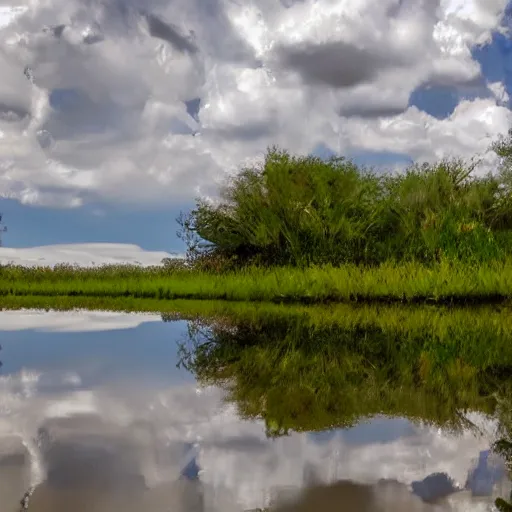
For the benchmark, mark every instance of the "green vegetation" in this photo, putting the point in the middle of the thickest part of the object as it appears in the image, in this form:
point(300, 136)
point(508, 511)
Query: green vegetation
point(170, 309)
point(304, 231)
point(503, 447)
point(454, 282)
point(299, 229)
point(303, 211)
point(502, 505)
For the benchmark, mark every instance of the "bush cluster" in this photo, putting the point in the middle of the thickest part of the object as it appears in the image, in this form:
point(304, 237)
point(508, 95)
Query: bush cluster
point(302, 211)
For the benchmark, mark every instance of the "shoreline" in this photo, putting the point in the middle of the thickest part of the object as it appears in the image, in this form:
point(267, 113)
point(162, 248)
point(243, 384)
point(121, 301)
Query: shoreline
point(444, 283)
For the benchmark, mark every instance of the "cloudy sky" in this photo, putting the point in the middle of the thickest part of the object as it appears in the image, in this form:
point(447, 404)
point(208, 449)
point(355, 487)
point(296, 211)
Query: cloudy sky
point(115, 114)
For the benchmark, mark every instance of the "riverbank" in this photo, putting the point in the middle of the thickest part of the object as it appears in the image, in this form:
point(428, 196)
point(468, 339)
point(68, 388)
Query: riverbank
point(456, 327)
point(443, 283)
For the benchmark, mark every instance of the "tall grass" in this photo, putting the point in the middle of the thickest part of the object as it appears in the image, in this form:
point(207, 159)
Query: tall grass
point(454, 282)
point(301, 211)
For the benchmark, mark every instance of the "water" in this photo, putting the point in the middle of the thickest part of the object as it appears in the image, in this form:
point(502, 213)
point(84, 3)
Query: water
point(95, 416)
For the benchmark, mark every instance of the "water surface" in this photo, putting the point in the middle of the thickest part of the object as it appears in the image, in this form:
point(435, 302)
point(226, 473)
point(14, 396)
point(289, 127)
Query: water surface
point(96, 416)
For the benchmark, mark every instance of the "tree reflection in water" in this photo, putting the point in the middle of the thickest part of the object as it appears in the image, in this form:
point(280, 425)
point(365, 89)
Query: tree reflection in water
point(299, 373)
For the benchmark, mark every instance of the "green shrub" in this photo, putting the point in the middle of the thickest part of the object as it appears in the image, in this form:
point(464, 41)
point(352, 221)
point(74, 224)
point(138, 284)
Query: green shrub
point(303, 211)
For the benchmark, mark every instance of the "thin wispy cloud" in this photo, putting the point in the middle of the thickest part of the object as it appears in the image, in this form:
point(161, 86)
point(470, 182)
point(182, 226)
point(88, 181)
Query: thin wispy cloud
point(83, 255)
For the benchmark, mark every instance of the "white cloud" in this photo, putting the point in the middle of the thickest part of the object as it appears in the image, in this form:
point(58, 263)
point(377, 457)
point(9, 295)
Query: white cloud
point(472, 125)
point(83, 255)
point(8, 14)
point(267, 72)
point(499, 91)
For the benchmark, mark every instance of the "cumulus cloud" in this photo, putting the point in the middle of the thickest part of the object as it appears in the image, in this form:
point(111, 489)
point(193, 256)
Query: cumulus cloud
point(473, 124)
point(94, 100)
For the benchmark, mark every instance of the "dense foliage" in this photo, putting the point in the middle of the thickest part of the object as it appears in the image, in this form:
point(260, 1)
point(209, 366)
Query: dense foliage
point(303, 210)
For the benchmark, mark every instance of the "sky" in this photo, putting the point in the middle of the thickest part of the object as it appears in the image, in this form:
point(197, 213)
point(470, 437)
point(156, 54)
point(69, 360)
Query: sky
point(116, 114)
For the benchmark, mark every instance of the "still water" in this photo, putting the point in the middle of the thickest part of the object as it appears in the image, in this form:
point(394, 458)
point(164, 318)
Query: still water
point(96, 416)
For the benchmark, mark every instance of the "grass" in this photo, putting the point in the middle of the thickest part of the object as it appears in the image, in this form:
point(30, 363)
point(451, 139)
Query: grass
point(299, 229)
point(406, 282)
point(489, 319)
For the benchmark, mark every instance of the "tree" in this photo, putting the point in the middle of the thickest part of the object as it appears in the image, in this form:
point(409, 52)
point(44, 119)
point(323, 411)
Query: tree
point(3, 229)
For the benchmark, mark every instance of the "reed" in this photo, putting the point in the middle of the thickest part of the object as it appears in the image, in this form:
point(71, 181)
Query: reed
point(446, 282)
